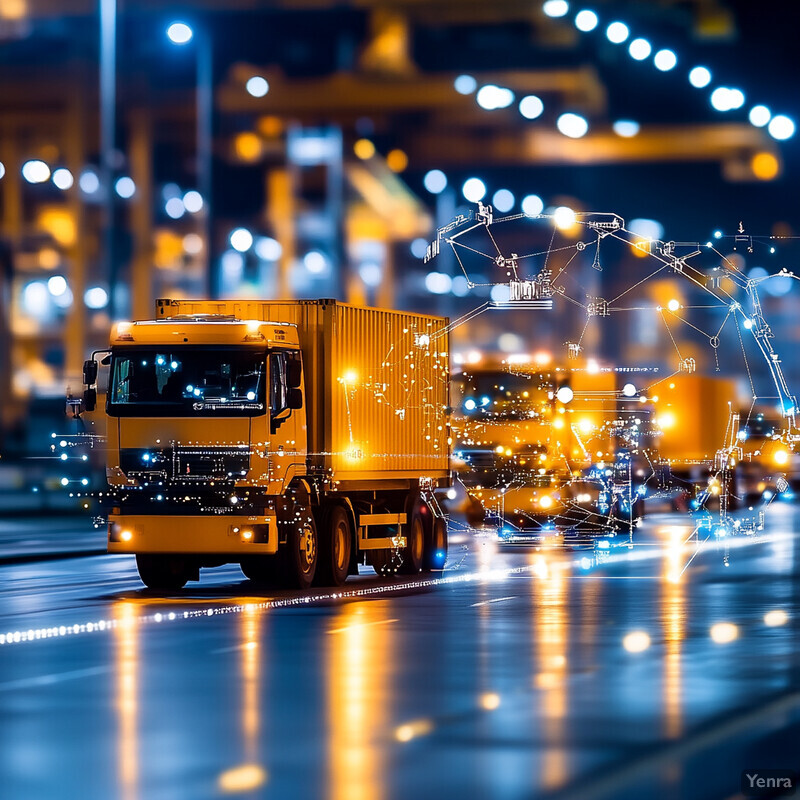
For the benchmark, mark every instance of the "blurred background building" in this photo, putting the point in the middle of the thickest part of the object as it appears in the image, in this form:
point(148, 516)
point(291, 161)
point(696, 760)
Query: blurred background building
point(306, 148)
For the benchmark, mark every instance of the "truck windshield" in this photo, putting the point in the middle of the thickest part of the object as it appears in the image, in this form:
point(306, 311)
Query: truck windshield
point(187, 381)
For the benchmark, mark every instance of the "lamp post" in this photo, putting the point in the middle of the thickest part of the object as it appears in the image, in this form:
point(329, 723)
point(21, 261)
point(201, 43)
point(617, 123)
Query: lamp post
point(181, 34)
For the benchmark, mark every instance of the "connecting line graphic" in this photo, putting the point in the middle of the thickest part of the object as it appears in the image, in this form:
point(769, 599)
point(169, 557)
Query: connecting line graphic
point(556, 272)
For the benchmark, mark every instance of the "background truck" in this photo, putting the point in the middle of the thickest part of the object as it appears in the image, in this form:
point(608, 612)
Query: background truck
point(295, 438)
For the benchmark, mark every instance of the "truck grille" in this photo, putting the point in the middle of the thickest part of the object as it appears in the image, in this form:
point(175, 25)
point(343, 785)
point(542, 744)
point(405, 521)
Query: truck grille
point(186, 463)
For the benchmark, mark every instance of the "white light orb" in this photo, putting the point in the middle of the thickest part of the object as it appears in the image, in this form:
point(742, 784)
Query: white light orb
point(564, 395)
point(640, 49)
point(572, 125)
point(371, 273)
point(503, 200)
point(89, 182)
point(532, 205)
point(759, 116)
point(435, 181)
point(241, 239)
point(629, 390)
point(531, 106)
point(555, 8)
point(57, 285)
point(665, 60)
point(193, 243)
point(125, 187)
point(781, 127)
point(465, 84)
point(438, 282)
point(180, 33)
point(586, 21)
point(700, 77)
point(95, 297)
point(193, 201)
point(257, 86)
point(617, 32)
point(36, 299)
point(315, 262)
point(175, 208)
point(491, 97)
point(564, 217)
point(35, 171)
point(268, 249)
point(62, 179)
point(474, 189)
point(626, 128)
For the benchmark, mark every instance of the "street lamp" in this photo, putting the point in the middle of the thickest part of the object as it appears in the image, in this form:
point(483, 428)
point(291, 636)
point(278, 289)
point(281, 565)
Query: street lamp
point(180, 33)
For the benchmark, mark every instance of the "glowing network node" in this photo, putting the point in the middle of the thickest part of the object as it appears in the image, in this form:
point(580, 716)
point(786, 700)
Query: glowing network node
point(564, 217)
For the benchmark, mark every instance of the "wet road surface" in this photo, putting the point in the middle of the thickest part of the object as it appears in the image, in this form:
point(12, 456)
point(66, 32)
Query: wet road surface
point(519, 673)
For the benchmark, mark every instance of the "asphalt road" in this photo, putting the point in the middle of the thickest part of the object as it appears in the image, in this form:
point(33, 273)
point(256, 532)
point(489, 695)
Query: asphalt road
point(664, 670)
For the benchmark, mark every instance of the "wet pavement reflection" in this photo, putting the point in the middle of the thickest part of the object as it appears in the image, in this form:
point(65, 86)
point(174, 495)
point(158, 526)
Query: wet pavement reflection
point(521, 672)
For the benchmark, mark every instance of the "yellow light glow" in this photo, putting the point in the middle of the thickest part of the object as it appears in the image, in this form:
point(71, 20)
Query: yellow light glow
point(780, 457)
point(248, 534)
point(247, 146)
point(564, 218)
point(666, 420)
point(765, 166)
point(636, 641)
point(242, 779)
point(558, 423)
point(673, 305)
point(13, 9)
point(396, 160)
point(351, 376)
point(775, 618)
point(499, 449)
point(126, 536)
point(409, 731)
point(545, 501)
point(585, 425)
point(542, 357)
point(724, 632)
point(364, 149)
point(490, 701)
point(60, 224)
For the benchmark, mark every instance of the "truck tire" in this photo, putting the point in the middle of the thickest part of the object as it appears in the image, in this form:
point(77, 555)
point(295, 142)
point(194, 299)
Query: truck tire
point(335, 546)
point(414, 552)
point(384, 562)
point(161, 572)
point(436, 547)
point(300, 554)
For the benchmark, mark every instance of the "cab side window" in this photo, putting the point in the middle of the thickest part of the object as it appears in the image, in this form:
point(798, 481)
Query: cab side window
point(277, 383)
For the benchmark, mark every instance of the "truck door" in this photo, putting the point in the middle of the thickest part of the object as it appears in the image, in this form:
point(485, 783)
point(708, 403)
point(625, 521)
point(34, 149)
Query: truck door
point(288, 435)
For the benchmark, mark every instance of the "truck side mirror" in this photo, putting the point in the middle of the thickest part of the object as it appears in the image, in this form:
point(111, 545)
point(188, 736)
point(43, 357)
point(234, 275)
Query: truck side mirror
point(90, 397)
point(294, 374)
point(294, 398)
point(90, 372)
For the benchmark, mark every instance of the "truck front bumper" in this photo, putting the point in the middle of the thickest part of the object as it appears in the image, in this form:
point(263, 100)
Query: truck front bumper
point(240, 535)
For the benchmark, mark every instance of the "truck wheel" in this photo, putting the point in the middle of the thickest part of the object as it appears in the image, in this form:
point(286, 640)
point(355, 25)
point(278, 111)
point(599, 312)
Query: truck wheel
point(335, 546)
point(414, 551)
point(300, 555)
point(436, 549)
point(161, 572)
point(263, 570)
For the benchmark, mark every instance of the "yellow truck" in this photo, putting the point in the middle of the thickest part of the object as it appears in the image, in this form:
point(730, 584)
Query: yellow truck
point(295, 438)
